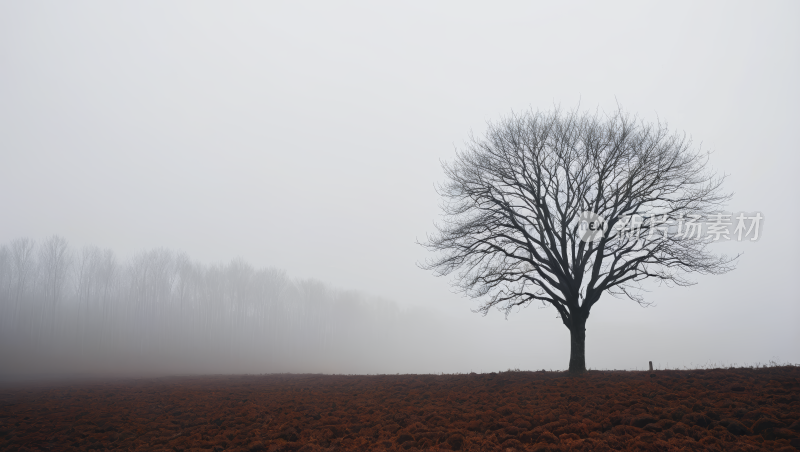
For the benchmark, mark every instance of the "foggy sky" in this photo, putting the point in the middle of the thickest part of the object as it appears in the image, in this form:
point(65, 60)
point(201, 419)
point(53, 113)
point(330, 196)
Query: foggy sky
point(308, 137)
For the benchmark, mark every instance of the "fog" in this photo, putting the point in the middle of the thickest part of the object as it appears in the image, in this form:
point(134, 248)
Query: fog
point(86, 312)
point(228, 188)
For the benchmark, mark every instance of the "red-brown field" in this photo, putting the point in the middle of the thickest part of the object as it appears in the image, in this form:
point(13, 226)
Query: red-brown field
point(725, 410)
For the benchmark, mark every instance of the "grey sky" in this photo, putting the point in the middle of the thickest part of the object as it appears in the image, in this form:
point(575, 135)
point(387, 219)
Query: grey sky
point(307, 136)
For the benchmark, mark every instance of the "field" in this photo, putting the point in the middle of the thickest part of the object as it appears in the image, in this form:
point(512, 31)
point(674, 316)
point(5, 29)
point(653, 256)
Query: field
point(720, 409)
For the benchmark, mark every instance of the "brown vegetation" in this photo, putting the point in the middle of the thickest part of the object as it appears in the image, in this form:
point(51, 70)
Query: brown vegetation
point(735, 409)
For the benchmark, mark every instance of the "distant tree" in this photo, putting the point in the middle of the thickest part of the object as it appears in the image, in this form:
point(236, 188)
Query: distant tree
point(55, 261)
point(87, 267)
point(6, 305)
point(513, 202)
point(22, 269)
point(184, 270)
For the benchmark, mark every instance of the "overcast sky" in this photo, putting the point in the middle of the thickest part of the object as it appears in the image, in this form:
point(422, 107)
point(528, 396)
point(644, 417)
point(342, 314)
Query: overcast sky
point(308, 136)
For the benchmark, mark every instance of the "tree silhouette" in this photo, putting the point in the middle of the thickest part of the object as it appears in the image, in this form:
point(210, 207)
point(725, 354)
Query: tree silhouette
point(517, 203)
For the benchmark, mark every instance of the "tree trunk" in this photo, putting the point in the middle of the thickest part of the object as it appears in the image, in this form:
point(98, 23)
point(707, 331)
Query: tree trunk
point(577, 354)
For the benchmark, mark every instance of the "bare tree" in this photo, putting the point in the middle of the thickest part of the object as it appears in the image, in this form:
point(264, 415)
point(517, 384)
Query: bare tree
point(106, 273)
point(6, 305)
point(86, 272)
point(513, 231)
point(183, 268)
point(22, 268)
point(55, 260)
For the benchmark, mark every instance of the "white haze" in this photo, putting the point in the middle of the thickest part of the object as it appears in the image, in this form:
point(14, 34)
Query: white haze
point(306, 138)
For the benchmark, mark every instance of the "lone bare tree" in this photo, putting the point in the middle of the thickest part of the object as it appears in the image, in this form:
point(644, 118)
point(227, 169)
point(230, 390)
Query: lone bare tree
point(518, 201)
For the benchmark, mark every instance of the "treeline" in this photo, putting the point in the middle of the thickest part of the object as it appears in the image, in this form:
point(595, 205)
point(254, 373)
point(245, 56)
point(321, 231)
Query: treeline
point(89, 303)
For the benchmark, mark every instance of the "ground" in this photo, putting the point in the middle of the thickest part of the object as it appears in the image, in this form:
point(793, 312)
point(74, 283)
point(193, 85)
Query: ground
point(719, 409)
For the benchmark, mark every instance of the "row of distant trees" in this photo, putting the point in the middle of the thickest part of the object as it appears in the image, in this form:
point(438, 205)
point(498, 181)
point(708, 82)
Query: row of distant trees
point(89, 300)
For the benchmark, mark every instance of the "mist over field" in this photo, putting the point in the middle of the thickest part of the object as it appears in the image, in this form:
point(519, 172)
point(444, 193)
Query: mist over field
point(193, 187)
point(86, 312)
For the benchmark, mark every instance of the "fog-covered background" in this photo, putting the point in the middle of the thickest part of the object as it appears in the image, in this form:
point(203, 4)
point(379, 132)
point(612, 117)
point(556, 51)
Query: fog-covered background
point(240, 187)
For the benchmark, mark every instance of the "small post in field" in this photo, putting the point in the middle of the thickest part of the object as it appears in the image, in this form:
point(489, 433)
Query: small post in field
point(651, 366)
